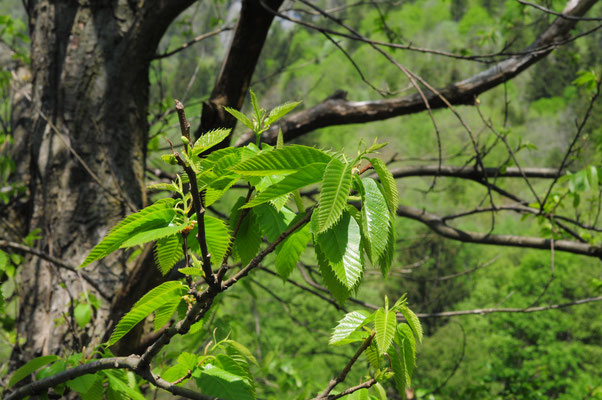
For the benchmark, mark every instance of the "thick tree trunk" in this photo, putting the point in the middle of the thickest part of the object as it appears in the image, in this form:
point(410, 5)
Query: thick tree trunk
point(84, 134)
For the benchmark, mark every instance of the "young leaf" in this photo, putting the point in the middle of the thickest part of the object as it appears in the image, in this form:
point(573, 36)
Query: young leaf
point(163, 313)
point(405, 340)
point(373, 356)
point(375, 218)
point(281, 161)
point(237, 348)
point(412, 321)
point(385, 325)
point(290, 250)
point(255, 104)
point(248, 238)
point(217, 382)
point(280, 111)
point(272, 222)
point(162, 294)
point(241, 117)
point(388, 182)
point(218, 238)
point(349, 324)
point(29, 368)
point(386, 259)
point(307, 175)
point(118, 381)
point(157, 215)
point(168, 251)
point(399, 369)
point(335, 287)
point(218, 187)
point(209, 139)
point(335, 190)
point(341, 246)
point(83, 314)
point(153, 234)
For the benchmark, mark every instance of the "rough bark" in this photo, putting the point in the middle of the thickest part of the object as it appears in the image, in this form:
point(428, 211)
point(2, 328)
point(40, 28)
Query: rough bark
point(230, 89)
point(83, 132)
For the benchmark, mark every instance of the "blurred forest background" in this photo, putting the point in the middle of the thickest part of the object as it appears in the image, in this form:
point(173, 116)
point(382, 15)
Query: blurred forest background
point(554, 354)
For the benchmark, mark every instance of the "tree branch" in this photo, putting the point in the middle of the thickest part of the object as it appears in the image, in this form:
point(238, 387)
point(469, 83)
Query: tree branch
point(59, 263)
point(341, 377)
point(340, 111)
point(438, 225)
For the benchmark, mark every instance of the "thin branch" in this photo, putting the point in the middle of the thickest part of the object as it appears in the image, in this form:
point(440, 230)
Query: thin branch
point(483, 311)
point(59, 263)
point(368, 384)
point(561, 15)
point(437, 224)
point(193, 41)
point(341, 377)
point(339, 111)
point(574, 142)
point(132, 363)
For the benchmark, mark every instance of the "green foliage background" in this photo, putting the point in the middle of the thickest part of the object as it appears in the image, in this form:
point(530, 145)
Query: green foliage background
point(555, 354)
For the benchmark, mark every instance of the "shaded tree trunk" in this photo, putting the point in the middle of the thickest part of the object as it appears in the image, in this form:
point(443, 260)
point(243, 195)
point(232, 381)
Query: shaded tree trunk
point(84, 133)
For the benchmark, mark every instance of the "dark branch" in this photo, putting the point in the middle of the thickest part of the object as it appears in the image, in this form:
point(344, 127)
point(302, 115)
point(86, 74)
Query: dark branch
point(339, 111)
point(437, 224)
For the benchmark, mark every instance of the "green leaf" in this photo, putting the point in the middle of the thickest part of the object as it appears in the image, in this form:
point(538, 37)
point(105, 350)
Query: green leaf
point(412, 321)
point(373, 356)
point(153, 234)
point(169, 159)
point(190, 271)
point(209, 139)
point(255, 105)
point(349, 324)
point(118, 382)
point(280, 111)
point(385, 325)
point(291, 248)
point(168, 251)
point(386, 259)
point(218, 238)
point(83, 384)
point(388, 182)
point(272, 222)
point(241, 117)
point(83, 314)
point(236, 347)
point(237, 366)
point(164, 313)
point(29, 368)
point(157, 215)
point(399, 369)
point(406, 342)
point(375, 218)
point(217, 382)
point(217, 188)
point(342, 247)
point(335, 190)
point(174, 373)
point(162, 294)
point(339, 291)
point(307, 175)
point(281, 161)
point(248, 238)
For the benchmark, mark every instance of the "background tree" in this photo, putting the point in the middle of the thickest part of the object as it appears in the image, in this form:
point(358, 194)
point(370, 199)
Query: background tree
point(84, 144)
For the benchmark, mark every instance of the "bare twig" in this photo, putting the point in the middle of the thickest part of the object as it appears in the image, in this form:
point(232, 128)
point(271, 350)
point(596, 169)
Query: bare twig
point(59, 263)
point(193, 41)
point(341, 377)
